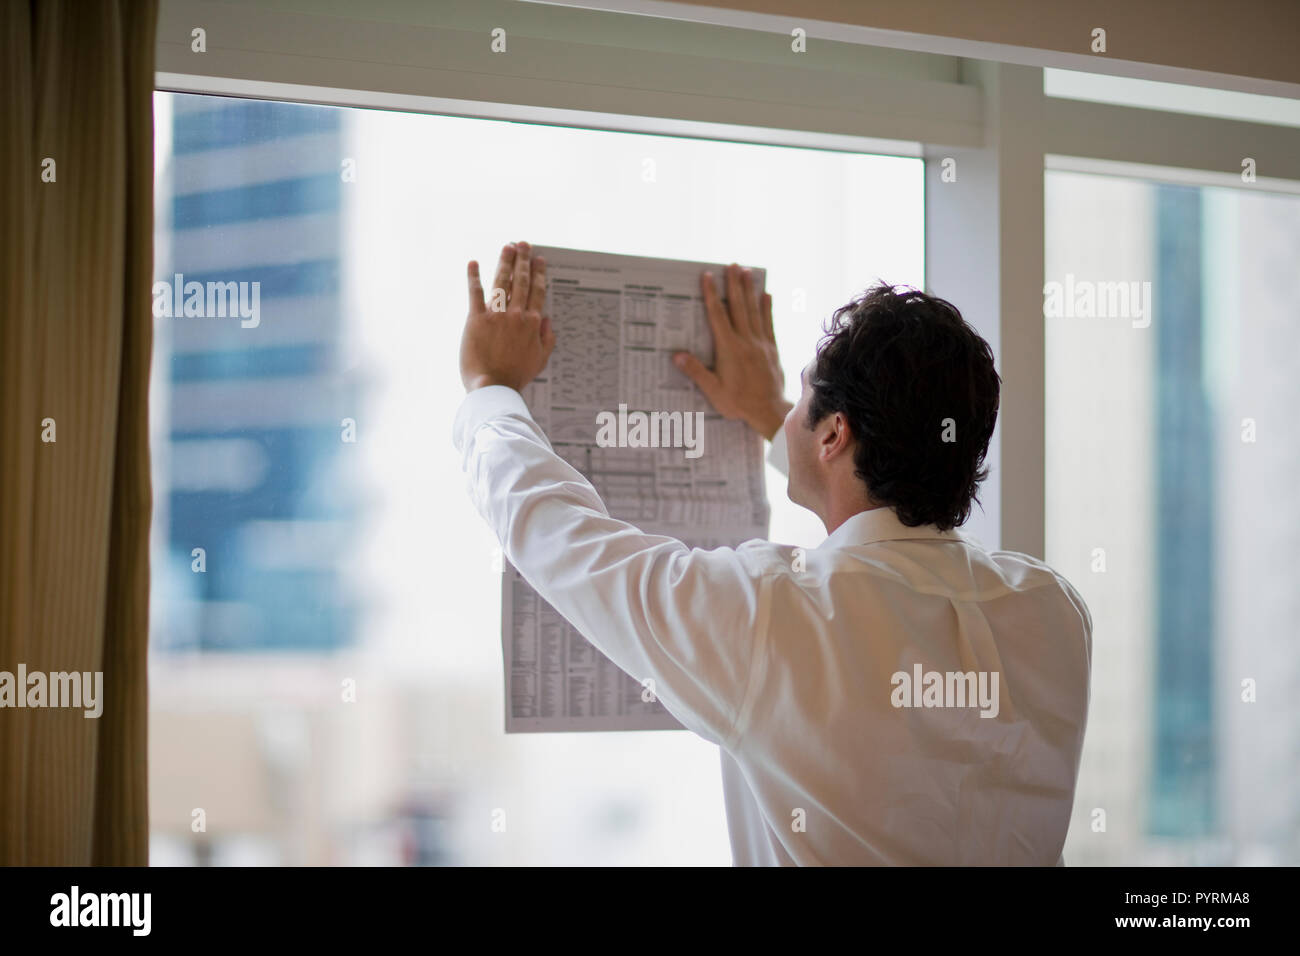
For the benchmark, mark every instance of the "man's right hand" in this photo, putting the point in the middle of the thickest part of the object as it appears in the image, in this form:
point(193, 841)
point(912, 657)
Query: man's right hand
point(746, 381)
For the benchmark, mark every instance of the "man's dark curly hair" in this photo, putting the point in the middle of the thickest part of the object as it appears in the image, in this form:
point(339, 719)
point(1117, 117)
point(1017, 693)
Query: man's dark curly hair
point(898, 364)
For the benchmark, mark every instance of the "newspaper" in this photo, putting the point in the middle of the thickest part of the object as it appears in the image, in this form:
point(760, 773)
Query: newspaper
point(618, 320)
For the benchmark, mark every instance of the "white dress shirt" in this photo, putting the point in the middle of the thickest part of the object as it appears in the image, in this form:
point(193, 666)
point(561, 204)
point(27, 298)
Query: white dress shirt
point(789, 661)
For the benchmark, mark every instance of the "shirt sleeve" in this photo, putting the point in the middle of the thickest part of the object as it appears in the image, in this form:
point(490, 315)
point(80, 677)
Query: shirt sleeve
point(777, 456)
point(685, 618)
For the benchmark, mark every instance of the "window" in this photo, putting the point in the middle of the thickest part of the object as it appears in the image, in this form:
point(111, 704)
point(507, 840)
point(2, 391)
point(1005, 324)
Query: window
point(326, 661)
point(1174, 97)
point(1172, 455)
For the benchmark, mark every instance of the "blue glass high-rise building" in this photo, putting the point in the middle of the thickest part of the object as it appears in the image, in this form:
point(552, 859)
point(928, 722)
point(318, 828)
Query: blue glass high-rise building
point(255, 468)
point(1183, 780)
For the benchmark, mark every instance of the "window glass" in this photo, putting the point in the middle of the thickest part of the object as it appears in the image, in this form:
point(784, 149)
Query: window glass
point(1174, 97)
point(325, 672)
point(1173, 373)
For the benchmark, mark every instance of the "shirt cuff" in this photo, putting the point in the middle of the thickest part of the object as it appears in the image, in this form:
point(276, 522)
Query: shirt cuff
point(776, 455)
point(483, 405)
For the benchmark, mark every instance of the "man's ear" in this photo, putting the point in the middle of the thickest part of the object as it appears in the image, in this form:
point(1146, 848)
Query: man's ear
point(835, 438)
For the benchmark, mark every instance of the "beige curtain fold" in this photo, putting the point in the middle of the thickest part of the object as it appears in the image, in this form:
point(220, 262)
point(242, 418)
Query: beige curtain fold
point(76, 257)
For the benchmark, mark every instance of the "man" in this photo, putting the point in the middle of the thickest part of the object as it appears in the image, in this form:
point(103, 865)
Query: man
point(898, 695)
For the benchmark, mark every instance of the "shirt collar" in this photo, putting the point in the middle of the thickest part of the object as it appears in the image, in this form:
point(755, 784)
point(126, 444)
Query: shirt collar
point(882, 524)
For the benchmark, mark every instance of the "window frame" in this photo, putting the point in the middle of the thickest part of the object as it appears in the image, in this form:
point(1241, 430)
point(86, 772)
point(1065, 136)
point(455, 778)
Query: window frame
point(616, 71)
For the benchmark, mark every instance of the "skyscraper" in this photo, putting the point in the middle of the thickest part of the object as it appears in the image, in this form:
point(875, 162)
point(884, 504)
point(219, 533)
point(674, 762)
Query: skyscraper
point(256, 460)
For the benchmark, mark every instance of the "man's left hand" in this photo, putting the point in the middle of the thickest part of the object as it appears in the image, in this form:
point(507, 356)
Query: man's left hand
point(507, 341)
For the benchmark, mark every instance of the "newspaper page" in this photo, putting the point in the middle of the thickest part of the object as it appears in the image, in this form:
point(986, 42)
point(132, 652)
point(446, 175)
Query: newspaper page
point(618, 320)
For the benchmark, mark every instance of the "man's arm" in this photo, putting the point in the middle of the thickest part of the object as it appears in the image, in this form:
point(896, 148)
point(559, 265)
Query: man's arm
point(689, 620)
point(777, 456)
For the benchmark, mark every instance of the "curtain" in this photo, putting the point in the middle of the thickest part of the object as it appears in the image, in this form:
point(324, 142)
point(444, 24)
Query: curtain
point(76, 257)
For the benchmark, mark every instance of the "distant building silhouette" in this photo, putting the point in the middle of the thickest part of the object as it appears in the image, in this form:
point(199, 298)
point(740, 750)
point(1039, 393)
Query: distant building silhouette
point(255, 463)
